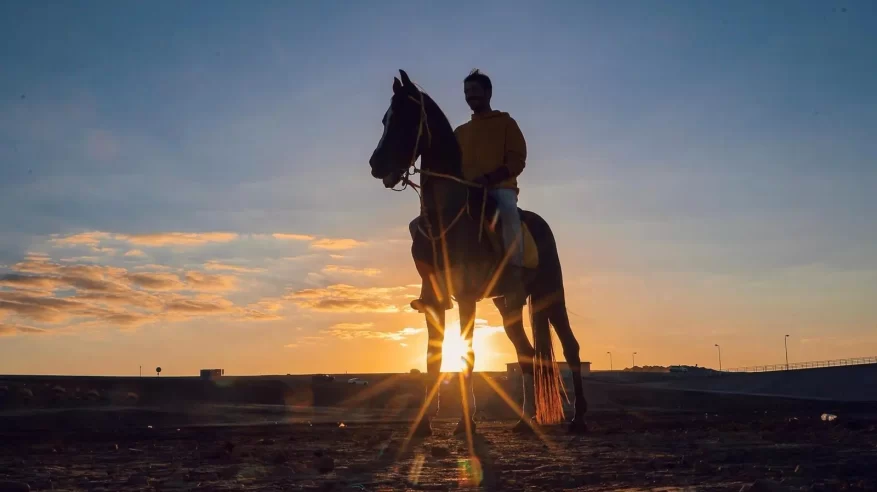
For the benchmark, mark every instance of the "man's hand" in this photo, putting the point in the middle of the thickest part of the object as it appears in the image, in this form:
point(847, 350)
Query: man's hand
point(493, 178)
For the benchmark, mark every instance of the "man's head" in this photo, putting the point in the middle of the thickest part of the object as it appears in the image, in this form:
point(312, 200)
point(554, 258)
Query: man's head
point(478, 89)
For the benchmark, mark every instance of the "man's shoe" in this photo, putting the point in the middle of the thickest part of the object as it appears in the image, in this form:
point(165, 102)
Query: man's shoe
point(421, 305)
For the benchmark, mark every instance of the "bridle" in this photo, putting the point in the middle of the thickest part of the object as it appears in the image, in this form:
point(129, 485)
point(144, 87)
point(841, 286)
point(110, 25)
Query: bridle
point(423, 125)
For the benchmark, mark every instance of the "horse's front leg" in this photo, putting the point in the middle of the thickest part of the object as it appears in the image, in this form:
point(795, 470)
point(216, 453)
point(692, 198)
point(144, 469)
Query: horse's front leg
point(467, 389)
point(435, 327)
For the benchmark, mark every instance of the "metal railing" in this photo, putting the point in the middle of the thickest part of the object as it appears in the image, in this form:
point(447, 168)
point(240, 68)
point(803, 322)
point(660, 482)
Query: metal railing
point(855, 361)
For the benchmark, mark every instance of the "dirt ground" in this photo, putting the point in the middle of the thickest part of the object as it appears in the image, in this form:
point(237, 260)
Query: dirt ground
point(622, 451)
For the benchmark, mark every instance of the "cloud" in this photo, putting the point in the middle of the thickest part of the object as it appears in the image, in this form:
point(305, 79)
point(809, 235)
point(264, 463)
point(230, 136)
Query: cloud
point(200, 305)
point(11, 330)
point(351, 326)
point(92, 238)
point(18, 281)
point(336, 244)
point(395, 336)
point(215, 265)
point(346, 298)
point(304, 342)
point(292, 237)
point(34, 256)
point(369, 272)
point(152, 267)
point(156, 281)
point(135, 252)
point(177, 238)
point(206, 281)
point(50, 293)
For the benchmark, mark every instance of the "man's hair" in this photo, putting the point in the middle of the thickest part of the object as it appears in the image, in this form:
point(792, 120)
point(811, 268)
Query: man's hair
point(477, 76)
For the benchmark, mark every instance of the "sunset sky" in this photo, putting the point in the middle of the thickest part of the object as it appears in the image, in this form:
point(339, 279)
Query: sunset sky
point(186, 185)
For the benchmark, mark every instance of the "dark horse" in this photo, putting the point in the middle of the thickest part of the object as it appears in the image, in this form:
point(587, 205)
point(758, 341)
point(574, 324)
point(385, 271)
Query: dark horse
point(457, 256)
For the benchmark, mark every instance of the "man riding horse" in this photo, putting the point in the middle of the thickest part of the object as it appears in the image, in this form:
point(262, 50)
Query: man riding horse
point(460, 255)
point(494, 154)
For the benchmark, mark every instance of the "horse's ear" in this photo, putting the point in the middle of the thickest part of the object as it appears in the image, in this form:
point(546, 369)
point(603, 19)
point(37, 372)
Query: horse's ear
point(405, 80)
point(397, 86)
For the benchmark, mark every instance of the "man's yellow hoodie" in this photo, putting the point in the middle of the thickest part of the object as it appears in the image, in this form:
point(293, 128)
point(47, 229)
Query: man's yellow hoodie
point(490, 141)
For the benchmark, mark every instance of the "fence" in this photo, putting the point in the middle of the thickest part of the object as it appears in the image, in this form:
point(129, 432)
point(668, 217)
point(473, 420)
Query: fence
point(807, 365)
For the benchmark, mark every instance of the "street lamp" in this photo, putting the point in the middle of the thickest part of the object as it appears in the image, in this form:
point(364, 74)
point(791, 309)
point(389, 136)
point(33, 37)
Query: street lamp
point(786, 343)
point(634, 360)
point(720, 356)
point(610, 360)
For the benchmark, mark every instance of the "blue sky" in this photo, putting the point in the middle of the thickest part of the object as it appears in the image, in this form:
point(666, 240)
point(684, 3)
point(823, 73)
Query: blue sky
point(708, 167)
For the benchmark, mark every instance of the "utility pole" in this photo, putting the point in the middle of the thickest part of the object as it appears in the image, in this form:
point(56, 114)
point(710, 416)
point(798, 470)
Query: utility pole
point(786, 343)
point(610, 360)
point(634, 360)
point(720, 356)
point(141, 371)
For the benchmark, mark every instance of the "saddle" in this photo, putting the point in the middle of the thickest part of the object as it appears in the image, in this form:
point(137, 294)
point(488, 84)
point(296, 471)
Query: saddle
point(493, 232)
point(492, 235)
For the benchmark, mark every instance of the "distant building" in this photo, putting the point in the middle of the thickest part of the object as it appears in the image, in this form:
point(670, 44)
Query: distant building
point(513, 369)
point(212, 373)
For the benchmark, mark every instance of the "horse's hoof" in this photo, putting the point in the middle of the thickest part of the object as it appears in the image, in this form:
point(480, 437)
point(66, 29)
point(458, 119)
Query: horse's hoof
point(578, 426)
point(461, 427)
point(525, 427)
point(423, 429)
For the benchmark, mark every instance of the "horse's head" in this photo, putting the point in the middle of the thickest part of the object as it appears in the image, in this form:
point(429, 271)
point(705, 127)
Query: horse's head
point(405, 134)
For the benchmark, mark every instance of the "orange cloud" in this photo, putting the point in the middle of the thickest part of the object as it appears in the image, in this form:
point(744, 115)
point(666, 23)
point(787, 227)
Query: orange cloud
point(156, 281)
point(11, 330)
point(346, 298)
point(369, 272)
point(206, 281)
point(178, 238)
point(292, 237)
point(377, 335)
point(135, 252)
point(92, 238)
point(215, 265)
point(18, 281)
point(336, 244)
point(110, 296)
point(351, 326)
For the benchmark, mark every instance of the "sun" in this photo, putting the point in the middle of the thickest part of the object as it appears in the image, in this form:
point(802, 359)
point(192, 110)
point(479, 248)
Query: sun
point(454, 347)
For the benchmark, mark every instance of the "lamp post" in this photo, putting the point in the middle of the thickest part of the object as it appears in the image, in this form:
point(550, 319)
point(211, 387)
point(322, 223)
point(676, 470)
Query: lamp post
point(720, 356)
point(610, 360)
point(633, 357)
point(786, 344)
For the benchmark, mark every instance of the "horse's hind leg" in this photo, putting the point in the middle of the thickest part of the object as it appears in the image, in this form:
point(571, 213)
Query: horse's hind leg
point(560, 320)
point(512, 320)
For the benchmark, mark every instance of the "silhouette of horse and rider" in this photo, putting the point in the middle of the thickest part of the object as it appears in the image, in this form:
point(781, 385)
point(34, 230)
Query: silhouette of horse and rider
point(471, 242)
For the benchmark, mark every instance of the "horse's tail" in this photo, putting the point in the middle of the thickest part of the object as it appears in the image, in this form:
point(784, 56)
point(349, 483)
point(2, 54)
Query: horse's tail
point(546, 293)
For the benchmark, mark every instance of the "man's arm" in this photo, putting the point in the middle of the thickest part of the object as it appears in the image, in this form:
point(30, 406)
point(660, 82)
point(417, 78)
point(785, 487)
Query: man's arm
point(514, 158)
point(515, 149)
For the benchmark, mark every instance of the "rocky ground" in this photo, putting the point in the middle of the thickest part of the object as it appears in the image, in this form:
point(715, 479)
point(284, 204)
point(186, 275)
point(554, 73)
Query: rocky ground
point(622, 451)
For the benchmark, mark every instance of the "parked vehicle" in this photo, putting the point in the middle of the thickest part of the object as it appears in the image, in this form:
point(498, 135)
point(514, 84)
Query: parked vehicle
point(322, 378)
point(357, 381)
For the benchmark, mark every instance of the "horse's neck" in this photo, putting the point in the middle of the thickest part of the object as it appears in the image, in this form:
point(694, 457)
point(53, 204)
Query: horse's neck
point(438, 190)
point(442, 156)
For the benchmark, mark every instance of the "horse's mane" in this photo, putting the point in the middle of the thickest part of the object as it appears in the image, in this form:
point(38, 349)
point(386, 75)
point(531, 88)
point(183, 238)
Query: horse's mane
point(442, 131)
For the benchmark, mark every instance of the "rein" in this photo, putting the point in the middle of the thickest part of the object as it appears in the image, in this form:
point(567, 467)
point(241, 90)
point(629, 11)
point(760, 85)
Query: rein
point(412, 169)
